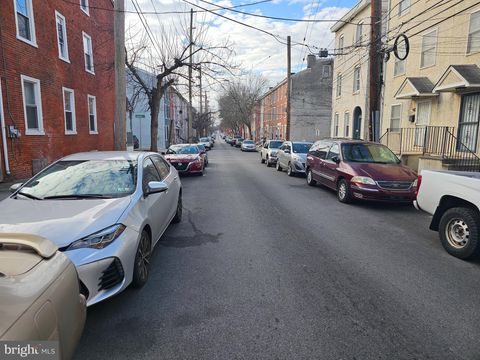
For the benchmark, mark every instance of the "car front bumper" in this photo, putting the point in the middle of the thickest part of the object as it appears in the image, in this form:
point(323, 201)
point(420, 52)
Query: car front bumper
point(108, 271)
point(378, 194)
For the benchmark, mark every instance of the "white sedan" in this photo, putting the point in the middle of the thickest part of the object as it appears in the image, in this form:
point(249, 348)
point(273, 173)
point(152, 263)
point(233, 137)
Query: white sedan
point(104, 210)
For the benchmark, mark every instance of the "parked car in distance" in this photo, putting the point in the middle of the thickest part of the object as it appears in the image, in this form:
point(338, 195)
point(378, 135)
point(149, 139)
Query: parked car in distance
point(268, 152)
point(40, 298)
point(203, 153)
point(234, 140)
point(205, 141)
point(186, 158)
point(105, 210)
point(238, 142)
point(292, 156)
point(360, 170)
point(248, 145)
point(453, 198)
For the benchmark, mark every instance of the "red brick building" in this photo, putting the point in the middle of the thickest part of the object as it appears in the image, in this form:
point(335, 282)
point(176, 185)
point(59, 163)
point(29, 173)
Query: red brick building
point(273, 110)
point(56, 82)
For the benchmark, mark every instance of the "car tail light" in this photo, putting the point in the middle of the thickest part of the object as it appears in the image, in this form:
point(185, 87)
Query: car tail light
point(417, 184)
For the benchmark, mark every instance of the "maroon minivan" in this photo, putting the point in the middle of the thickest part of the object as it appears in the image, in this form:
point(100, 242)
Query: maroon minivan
point(360, 170)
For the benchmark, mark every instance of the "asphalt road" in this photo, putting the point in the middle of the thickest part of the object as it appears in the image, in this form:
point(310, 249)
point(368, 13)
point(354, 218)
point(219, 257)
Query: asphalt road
point(265, 267)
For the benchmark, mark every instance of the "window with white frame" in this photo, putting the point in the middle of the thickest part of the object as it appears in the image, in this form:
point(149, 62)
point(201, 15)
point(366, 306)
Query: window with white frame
point(346, 124)
point(429, 49)
point(356, 79)
point(340, 44)
point(84, 6)
point(399, 67)
point(92, 114)
point(62, 36)
point(335, 124)
point(339, 84)
point(24, 21)
point(69, 111)
point(359, 34)
point(326, 70)
point(32, 105)
point(473, 44)
point(88, 53)
point(395, 118)
point(403, 7)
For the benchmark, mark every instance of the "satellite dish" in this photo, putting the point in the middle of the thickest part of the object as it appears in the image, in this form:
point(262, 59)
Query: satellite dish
point(401, 47)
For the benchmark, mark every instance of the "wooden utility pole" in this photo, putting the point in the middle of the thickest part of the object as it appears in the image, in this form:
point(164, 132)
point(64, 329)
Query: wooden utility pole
point(120, 120)
point(375, 65)
point(289, 72)
point(200, 78)
point(190, 110)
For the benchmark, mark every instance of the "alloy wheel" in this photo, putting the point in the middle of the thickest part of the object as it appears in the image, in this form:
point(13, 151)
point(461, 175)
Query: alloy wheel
point(143, 257)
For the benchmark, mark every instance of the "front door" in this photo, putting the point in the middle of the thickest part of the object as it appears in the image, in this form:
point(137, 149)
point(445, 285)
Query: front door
point(330, 166)
point(423, 119)
point(468, 124)
point(357, 123)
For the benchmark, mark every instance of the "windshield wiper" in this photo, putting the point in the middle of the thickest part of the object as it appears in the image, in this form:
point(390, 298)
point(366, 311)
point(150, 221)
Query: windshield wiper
point(30, 196)
point(82, 196)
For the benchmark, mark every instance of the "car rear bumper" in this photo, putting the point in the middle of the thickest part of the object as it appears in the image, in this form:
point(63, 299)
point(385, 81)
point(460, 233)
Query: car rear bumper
point(376, 194)
point(108, 271)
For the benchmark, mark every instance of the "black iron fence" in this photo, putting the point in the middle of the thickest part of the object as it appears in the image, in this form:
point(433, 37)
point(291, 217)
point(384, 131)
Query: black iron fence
point(437, 141)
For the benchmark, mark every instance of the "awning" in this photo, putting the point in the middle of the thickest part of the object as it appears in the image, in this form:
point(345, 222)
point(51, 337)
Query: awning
point(415, 87)
point(459, 78)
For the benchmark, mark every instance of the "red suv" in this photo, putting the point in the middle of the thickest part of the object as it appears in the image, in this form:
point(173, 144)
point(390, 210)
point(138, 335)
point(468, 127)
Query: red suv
point(360, 170)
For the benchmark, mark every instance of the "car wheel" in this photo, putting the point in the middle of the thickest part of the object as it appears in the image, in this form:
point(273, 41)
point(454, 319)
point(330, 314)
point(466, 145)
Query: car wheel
point(290, 171)
point(278, 167)
point(262, 160)
point(178, 214)
point(141, 269)
point(310, 180)
point(268, 162)
point(459, 231)
point(343, 192)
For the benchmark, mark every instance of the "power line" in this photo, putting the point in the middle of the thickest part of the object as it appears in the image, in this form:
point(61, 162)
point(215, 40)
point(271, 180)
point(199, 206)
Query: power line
point(146, 27)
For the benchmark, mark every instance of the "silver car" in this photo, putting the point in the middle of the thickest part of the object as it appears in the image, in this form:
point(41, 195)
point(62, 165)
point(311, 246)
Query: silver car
point(104, 210)
point(268, 152)
point(292, 156)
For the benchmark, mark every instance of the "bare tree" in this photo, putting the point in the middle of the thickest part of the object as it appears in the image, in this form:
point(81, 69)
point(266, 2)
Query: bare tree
point(238, 100)
point(167, 57)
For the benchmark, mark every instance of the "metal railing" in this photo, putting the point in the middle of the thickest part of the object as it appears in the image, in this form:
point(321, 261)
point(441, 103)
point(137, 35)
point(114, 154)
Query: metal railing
point(436, 141)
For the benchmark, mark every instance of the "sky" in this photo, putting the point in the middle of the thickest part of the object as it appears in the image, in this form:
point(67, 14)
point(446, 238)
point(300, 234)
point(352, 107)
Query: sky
point(254, 51)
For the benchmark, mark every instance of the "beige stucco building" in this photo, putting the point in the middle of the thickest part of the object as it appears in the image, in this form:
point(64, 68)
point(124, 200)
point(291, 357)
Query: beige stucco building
point(431, 107)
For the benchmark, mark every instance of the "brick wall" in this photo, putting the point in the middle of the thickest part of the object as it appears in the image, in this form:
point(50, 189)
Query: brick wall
point(43, 63)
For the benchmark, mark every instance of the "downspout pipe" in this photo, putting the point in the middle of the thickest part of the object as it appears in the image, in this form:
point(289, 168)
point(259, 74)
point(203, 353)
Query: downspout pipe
point(4, 135)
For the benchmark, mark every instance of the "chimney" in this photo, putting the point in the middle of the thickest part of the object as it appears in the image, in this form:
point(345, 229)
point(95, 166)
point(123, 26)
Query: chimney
point(310, 61)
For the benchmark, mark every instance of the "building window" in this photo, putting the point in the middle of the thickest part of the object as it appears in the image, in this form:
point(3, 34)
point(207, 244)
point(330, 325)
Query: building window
point(32, 105)
point(429, 49)
point(340, 45)
point(326, 71)
point(88, 52)
point(359, 34)
point(346, 124)
point(69, 111)
point(403, 7)
point(356, 79)
point(399, 68)
point(84, 6)
point(473, 44)
point(62, 36)
point(92, 114)
point(395, 117)
point(339, 84)
point(24, 21)
point(335, 125)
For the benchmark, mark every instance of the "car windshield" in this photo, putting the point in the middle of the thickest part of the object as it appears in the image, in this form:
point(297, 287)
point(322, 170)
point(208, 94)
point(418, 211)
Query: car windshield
point(190, 149)
point(83, 179)
point(201, 147)
point(301, 148)
point(204, 140)
point(369, 153)
point(248, 142)
point(275, 144)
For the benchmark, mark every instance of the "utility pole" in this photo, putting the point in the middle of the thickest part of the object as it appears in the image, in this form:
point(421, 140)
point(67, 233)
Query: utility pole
point(375, 65)
point(289, 72)
point(190, 113)
point(120, 120)
point(200, 78)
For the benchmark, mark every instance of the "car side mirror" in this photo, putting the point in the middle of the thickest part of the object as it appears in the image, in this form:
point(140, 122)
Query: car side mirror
point(155, 187)
point(163, 152)
point(15, 187)
point(336, 159)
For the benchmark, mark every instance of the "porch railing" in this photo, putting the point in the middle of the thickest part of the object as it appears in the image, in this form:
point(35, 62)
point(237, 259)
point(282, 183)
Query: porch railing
point(436, 141)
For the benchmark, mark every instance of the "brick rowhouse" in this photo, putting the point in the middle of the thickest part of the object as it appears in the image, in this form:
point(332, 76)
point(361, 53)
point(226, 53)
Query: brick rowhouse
point(36, 56)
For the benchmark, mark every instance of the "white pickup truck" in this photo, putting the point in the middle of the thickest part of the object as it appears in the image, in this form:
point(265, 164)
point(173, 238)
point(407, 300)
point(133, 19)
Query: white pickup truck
point(453, 198)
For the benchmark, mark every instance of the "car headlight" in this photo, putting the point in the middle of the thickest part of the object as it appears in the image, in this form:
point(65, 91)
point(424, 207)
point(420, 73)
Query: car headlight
point(296, 158)
point(100, 239)
point(415, 183)
point(363, 180)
